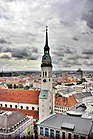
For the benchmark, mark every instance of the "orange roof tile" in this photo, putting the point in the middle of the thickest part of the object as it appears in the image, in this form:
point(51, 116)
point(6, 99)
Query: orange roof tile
point(33, 113)
point(26, 96)
point(67, 102)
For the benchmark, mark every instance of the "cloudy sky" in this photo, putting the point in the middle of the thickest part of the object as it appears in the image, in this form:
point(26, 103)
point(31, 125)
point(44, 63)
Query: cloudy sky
point(22, 33)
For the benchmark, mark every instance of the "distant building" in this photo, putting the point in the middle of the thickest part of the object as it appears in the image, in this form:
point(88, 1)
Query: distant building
point(63, 104)
point(59, 126)
point(15, 125)
point(84, 97)
point(79, 73)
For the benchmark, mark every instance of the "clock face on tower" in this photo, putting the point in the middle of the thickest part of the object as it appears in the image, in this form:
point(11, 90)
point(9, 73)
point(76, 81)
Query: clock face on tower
point(44, 80)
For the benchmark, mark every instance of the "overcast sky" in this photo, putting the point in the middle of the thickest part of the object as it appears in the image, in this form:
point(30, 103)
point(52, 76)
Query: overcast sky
point(22, 33)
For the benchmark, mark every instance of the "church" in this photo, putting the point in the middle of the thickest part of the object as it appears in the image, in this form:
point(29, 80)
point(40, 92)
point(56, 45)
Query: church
point(38, 104)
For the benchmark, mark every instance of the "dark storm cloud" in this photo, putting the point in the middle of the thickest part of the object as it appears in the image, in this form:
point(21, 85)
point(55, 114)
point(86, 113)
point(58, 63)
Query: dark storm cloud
point(88, 13)
point(74, 57)
point(21, 53)
point(61, 51)
point(87, 52)
point(25, 53)
point(68, 51)
point(2, 41)
point(89, 18)
point(4, 49)
point(76, 39)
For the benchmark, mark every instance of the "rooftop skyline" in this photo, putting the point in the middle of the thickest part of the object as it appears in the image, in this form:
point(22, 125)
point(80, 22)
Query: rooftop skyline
point(22, 33)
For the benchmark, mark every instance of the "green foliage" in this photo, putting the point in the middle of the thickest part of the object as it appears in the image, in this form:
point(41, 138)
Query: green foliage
point(9, 85)
point(69, 84)
point(81, 81)
point(20, 86)
point(27, 87)
point(58, 95)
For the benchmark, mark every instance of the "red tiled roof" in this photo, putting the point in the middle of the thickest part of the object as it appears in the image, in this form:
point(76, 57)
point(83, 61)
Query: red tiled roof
point(26, 96)
point(63, 101)
point(33, 113)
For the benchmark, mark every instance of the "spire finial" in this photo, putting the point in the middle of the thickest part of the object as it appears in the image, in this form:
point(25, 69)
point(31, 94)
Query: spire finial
point(46, 36)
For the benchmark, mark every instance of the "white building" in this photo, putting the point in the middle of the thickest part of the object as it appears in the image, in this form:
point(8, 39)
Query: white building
point(15, 125)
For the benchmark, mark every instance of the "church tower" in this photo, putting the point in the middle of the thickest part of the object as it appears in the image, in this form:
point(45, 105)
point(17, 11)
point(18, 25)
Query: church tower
point(46, 96)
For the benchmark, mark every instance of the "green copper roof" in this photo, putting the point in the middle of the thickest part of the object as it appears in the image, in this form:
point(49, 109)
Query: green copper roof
point(43, 94)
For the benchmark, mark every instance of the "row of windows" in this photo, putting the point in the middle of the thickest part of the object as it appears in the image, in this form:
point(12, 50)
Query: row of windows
point(46, 134)
point(57, 107)
point(44, 74)
point(59, 110)
point(33, 108)
point(51, 133)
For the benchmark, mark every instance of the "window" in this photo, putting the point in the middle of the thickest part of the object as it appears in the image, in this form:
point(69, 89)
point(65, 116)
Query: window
point(82, 137)
point(2, 137)
point(9, 136)
point(15, 106)
point(63, 135)
point(5, 105)
point(33, 108)
point(46, 132)
point(1, 105)
point(45, 73)
point(41, 131)
point(10, 106)
point(21, 107)
point(69, 136)
point(76, 137)
point(27, 107)
point(57, 134)
point(51, 133)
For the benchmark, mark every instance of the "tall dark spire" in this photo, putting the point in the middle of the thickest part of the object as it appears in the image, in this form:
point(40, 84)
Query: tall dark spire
point(46, 44)
point(46, 48)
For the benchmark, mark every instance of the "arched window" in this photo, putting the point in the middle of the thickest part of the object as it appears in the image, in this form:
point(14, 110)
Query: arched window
point(21, 107)
point(1, 105)
point(15, 106)
point(45, 73)
point(5, 105)
point(33, 108)
point(10, 106)
point(27, 107)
